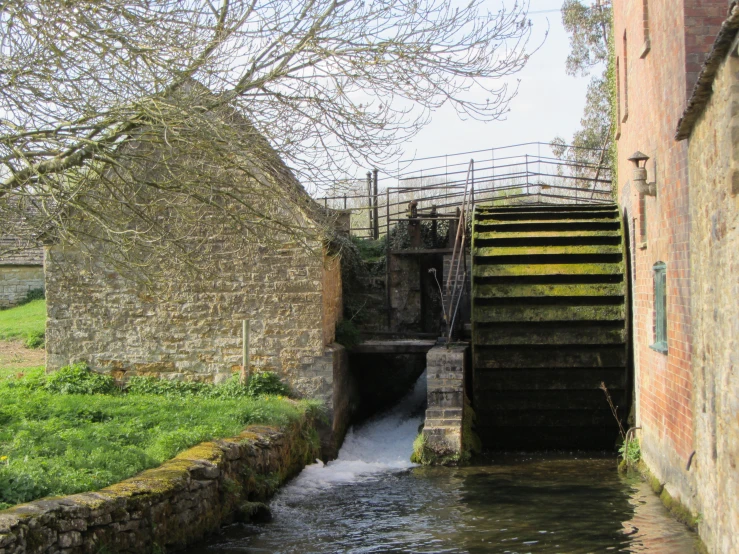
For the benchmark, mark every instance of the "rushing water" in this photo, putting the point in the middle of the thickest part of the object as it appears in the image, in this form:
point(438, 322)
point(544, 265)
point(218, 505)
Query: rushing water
point(372, 499)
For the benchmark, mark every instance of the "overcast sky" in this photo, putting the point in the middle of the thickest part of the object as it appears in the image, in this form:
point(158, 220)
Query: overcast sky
point(549, 102)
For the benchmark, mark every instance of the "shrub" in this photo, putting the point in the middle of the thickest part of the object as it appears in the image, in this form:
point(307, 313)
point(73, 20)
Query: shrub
point(31, 295)
point(266, 383)
point(347, 333)
point(260, 384)
point(35, 339)
point(162, 387)
point(79, 379)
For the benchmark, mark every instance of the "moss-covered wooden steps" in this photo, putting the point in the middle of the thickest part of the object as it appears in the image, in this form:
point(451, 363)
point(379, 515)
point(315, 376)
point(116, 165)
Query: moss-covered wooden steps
point(548, 325)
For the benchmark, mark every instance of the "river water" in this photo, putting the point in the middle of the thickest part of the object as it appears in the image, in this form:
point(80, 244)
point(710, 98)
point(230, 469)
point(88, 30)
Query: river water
point(372, 499)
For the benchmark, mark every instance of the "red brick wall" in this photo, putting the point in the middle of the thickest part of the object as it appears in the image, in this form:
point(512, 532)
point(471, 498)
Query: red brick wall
point(703, 19)
point(658, 84)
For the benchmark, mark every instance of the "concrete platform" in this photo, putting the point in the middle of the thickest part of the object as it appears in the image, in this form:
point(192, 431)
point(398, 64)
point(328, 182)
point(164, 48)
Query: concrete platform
point(394, 346)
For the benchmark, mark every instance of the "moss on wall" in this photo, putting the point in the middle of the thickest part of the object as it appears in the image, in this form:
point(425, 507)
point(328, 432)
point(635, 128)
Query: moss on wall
point(169, 507)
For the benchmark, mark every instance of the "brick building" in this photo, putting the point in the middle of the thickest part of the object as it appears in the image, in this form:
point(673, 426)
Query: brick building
point(660, 50)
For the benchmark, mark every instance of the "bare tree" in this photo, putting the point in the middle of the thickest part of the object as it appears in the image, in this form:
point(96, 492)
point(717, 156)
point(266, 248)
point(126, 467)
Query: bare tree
point(143, 123)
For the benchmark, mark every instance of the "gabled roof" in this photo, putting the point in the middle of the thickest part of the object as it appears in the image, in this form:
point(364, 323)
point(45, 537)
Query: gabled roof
point(704, 86)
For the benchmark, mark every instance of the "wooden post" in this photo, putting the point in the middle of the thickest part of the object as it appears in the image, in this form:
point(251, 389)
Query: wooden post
point(376, 208)
point(245, 352)
point(369, 204)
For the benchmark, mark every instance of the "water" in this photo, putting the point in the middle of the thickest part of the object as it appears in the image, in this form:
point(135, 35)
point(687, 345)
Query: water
point(372, 499)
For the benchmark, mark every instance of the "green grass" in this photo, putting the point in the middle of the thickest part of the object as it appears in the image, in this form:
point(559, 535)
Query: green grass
point(56, 444)
point(23, 321)
point(6, 373)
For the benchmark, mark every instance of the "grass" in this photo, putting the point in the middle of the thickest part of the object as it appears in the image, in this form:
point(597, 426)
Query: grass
point(53, 443)
point(23, 321)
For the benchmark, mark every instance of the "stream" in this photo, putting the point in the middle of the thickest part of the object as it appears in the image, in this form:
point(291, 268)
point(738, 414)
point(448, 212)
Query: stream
point(372, 499)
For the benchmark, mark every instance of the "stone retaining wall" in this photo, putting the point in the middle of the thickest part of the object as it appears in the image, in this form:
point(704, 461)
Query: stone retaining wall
point(166, 508)
point(17, 281)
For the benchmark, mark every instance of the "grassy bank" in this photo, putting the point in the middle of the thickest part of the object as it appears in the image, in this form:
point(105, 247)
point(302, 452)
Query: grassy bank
point(23, 321)
point(56, 441)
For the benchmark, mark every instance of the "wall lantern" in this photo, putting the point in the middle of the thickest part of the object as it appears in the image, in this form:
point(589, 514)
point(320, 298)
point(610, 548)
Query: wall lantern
point(640, 175)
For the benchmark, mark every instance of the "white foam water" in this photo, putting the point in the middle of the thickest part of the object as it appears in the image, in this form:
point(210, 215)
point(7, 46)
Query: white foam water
point(382, 444)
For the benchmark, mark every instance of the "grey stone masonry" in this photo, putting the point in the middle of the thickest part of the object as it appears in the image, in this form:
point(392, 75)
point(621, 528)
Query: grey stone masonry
point(445, 413)
point(17, 281)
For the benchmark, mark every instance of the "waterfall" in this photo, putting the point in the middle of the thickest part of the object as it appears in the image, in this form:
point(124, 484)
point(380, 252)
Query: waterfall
point(382, 444)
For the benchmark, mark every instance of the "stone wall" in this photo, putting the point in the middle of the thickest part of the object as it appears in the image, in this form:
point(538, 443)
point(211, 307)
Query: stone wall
point(654, 80)
point(166, 508)
point(415, 302)
point(405, 293)
point(443, 431)
point(192, 329)
point(714, 251)
point(17, 281)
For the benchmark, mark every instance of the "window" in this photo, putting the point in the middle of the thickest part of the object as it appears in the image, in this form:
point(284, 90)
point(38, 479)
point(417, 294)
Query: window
point(660, 308)
point(645, 17)
point(626, 81)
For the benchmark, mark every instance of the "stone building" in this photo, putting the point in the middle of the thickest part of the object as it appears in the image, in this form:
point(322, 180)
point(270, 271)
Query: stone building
point(21, 271)
point(683, 261)
point(191, 329)
point(711, 125)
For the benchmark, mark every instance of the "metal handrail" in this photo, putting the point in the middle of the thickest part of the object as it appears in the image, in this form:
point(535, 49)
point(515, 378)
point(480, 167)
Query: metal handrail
point(458, 253)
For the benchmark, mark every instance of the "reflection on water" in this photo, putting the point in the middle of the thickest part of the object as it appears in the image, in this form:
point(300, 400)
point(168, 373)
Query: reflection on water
point(372, 500)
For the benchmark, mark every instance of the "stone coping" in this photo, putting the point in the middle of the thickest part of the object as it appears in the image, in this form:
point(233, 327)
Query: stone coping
point(168, 507)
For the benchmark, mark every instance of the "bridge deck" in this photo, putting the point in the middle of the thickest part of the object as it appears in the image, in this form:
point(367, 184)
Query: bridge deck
point(394, 346)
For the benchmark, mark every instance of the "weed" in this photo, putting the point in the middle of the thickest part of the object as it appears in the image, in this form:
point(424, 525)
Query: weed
point(347, 333)
point(35, 339)
point(78, 379)
point(630, 451)
point(266, 383)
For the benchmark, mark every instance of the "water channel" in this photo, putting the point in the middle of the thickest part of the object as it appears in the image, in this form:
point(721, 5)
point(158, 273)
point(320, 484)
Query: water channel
point(372, 499)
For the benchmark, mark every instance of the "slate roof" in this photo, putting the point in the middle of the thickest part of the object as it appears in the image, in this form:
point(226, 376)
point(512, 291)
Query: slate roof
point(704, 86)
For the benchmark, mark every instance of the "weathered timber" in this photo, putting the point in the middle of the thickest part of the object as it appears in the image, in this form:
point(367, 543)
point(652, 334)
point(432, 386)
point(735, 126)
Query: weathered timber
point(484, 235)
point(550, 333)
point(547, 313)
point(547, 216)
point(548, 325)
point(548, 400)
point(546, 269)
point(528, 356)
point(547, 250)
point(566, 289)
point(528, 380)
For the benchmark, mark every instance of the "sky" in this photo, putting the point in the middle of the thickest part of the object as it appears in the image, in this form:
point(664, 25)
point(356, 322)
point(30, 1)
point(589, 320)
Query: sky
point(549, 102)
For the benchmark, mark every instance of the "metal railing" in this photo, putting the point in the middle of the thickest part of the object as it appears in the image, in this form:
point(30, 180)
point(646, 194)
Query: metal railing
point(455, 291)
point(521, 173)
